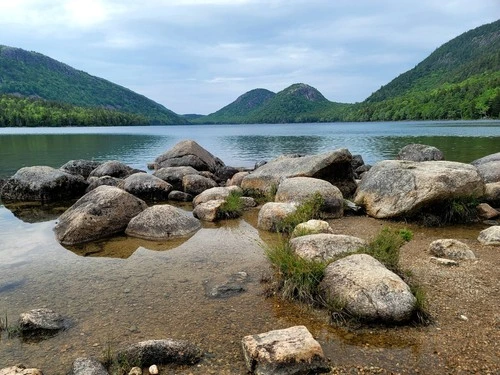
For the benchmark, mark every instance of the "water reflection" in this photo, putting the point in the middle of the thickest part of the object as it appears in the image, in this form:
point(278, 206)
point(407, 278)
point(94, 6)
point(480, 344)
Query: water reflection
point(36, 212)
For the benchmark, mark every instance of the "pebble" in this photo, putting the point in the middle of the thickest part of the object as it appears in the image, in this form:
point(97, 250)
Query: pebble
point(135, 371)
point(464, 318)
point(153, 370)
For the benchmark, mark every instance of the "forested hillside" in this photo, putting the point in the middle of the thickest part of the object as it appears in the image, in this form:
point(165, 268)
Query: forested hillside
point(32, 74)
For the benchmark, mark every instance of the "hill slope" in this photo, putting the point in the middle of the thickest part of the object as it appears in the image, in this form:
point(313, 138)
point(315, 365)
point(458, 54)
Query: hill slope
point(32, 74)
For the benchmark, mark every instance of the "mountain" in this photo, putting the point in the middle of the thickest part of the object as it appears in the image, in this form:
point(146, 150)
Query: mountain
point(31, 74)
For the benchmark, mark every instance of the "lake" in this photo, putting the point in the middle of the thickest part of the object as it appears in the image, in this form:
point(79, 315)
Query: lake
point(125, 290)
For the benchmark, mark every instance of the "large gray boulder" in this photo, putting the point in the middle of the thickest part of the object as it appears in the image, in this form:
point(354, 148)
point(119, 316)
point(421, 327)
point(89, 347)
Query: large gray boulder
point(41, 319)
point(189, 153)
point(490, 236)
point(80, 167)
point(451, 249)
point(284, 352)
point(87, 366)
point(489, 167)
point(195, 184)
point(395, 188)
point(113, 168)
point(215, 193)
point(487, 159)
point(146, 186)
point(300, 189)
point(272, 214)
point(419, 152)
point(334, 167)
point(160, 352)
point(368, 289)
point(324, 246)
point(44, 184)
point(162, 222)
point(100, 213)
point(174, 175)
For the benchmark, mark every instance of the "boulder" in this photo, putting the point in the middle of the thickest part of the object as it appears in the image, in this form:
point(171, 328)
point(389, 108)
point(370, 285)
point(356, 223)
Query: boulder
point(20, 370)
point(162, 222)
point(451, 249)
point(368, 289)
point(146, 186)
point(215, 193)
point(208, 211)
point(325, 246)
point(174, 175)
point(179, 196)
point(237, 178)
point(312, 227)
point(284, 352)
point(395, 188)
point(41, 319)
point(99, 181)
point(102, 212)
point(334, 167)
point(300, 189)
point(189, 153)
point(113, 168)
point(87, 366)
point(272, 213)
point(80, 167)
point(225, 173)
point(490, 236)
point(489, 167)
point(487, 159)
point(492, 193)
point(195, 184)
point(160, 352)
point(44, 184)
point(419, 152)
point(485, 211)
point(357, 161)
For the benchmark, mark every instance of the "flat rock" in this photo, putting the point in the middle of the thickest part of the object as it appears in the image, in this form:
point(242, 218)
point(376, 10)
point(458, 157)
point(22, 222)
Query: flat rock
point(196, 184)
point(334, 167)
point(451, 249)
point(189, 153)
point(20, 370)
point(87, 366)
point(490, 236)
point(325, 246)
point(174, 175)
point(444, 262)
point(272, 213)
point(284, 352)
point(234, 285)
point(369, 290)
point(160, 352)
point(146, 186)
point(215, 193)
point(42, 184)
point(41, 319)
point(102, 212)
point(80, 167)
point(312, 227)
point(161, 222)
point(113, 168)
point(419, 152)
point(301, 189)
point(395, 188)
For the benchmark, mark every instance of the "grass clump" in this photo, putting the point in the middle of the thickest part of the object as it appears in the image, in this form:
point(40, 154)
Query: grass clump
point(232, 207)
point(296, 278)
point(261, 197)
point(307, 210)
point(11, 329)
point(454, 211)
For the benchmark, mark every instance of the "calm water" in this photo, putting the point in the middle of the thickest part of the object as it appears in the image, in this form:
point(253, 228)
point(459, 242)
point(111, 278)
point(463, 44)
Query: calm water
point(126, 290)
point(243, 145)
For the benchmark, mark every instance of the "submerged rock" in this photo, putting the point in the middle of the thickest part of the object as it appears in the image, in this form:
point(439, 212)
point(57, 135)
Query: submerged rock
point(234, 285)
point(451, 248)
point(44, 184)
point(325, 246)
point(87, 366)
point(284, 352)
point(395, 188)
point(368, 289)
point(334, 167)
point(41, 319)
point(102, 212)
point(162, 222)
point(147, 353)
point(301, 189)
point(419, 152)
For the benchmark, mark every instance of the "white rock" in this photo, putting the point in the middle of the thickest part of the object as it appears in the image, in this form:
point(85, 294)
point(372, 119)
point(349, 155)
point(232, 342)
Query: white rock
point(490, 236)
point(153, 370)
point(451, 248)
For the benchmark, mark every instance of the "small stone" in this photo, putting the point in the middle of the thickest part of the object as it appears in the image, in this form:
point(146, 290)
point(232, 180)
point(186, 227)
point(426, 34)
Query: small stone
point(153, 370)
point(135, 371)
point(464, 318)
point(444, 261)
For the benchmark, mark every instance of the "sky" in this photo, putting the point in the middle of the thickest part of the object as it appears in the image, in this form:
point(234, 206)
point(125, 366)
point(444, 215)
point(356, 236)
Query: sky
point(196, 56)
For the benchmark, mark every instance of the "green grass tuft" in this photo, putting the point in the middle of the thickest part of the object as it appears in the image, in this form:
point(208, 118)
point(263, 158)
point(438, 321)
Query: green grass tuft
point(232, 207)
point(385, 247)
point(310, 209)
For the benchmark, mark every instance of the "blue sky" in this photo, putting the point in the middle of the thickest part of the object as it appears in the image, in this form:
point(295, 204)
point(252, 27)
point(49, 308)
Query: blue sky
point(196, 56)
